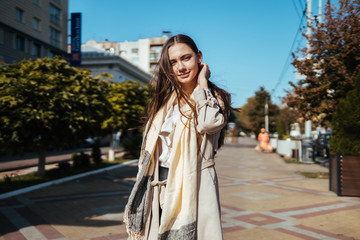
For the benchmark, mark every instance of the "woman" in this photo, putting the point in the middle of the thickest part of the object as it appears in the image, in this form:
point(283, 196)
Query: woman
point(176, 192)
point(264, 141)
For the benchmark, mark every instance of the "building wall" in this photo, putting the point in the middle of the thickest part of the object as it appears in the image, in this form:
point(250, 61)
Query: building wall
point(120, 68)
point(131, 52)
point(118, 74)
point(144, 53)
point(11, 29)
point(155, 48)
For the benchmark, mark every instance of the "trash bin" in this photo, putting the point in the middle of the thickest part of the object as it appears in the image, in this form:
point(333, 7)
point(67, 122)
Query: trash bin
point(307, 148)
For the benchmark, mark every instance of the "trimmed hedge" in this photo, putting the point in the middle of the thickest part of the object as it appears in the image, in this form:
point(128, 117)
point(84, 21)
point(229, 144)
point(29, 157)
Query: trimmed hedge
point(346, 124)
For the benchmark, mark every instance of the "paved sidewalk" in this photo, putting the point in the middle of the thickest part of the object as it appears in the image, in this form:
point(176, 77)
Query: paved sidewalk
point(261, 198)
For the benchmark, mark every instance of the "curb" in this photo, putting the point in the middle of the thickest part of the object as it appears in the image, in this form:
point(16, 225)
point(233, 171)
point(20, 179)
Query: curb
point(62, 180)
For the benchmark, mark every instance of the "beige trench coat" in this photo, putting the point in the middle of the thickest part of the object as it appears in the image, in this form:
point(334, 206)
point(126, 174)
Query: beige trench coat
point(210, 123)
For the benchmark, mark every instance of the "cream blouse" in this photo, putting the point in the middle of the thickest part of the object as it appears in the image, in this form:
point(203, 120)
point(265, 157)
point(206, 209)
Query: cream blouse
point(167, 131)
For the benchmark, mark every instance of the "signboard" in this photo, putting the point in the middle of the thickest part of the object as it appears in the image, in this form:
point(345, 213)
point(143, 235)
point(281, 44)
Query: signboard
point(75, 39)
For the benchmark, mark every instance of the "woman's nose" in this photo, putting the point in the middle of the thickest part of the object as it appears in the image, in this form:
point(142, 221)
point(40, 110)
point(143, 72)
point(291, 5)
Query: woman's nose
point(180, 65)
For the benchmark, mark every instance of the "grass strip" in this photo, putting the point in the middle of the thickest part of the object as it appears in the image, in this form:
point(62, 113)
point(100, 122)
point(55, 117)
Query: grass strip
point(318, 175)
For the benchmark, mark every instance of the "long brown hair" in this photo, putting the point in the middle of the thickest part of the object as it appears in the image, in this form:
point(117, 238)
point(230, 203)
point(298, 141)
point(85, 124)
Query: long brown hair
point(164, 82)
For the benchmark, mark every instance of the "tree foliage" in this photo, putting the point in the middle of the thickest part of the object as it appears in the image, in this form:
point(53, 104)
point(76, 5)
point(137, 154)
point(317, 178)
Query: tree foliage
point(128, 100)
point(251, 118)
point(45, 102)
point(346, 124)
point(285, 118)
point(330, 64)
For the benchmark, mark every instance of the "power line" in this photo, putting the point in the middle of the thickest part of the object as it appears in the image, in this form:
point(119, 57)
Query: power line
point(287, 62)
point(302, 4)
point(296, 8)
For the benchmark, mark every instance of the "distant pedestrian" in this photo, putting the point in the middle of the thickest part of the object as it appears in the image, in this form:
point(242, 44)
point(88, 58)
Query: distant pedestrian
point(176, 191)
point(118, 138)
point(264, 141)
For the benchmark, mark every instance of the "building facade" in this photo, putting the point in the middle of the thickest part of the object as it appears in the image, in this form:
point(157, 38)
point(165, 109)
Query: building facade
point(144, 53)
point(33, 29)
point(99, 61)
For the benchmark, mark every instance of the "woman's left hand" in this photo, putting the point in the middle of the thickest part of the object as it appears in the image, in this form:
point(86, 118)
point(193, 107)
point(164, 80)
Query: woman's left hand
point(204, 75)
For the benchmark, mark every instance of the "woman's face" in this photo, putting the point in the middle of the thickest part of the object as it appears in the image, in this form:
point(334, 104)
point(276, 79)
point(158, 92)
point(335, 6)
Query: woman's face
point(184, 62)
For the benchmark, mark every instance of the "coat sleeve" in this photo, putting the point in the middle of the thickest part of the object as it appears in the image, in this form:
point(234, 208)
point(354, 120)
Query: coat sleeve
point(210, 117)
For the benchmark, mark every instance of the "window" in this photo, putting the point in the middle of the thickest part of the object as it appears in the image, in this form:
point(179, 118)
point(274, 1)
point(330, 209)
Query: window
point(156, 48)
point(57, 1)
point(19, 15)
point(36, 23)
point(154, 56)
point(36, 50)
point(134, 50)
point(20, 43)
point(54, 15)
point(52, 54)
point(36, 2)
point(54, 37)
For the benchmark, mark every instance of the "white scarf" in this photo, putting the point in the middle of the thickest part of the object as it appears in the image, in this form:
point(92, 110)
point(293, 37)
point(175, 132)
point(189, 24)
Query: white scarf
point(178, 219)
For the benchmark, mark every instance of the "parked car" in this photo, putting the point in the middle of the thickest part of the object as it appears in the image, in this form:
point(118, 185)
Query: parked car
point(322, 145)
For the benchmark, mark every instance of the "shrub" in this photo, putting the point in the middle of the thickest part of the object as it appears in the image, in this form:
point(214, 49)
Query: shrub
point(281, 129)
point(64, 166)
point(96, 152)
point(82, 160)
point(132, 144)
point(346, 124)
point(7, 179)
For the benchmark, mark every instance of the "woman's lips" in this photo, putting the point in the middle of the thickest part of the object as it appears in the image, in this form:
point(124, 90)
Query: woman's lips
point(184, 75)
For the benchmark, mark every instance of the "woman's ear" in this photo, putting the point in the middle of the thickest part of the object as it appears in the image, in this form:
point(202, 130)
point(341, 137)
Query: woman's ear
point(199, 55)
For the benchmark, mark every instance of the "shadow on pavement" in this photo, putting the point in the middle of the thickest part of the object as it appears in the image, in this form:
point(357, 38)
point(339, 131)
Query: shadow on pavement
point(240, 145)
point(93, 201)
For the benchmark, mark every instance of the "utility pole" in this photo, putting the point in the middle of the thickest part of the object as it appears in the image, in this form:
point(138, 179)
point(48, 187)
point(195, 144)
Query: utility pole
point(309, 23)
point(266, 114)
point(320, 11)
point(306, 143)
point(308, 33)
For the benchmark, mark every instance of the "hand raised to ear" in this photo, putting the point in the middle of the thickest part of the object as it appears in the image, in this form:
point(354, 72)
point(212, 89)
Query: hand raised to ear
point(204, 75)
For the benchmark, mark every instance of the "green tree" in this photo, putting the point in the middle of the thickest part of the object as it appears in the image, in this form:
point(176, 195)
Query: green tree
point(346, 124)
point(252, 115)
point(243, 121)
point(45, 102)
point(285, 118)
point(128, 100)
point(330, 64)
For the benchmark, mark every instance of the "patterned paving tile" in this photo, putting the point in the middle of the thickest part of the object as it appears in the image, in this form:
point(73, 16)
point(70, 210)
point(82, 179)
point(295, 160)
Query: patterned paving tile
point(256, 195)
point(259, 219)
point(19, 222)
point(121, 236)
point(330, 235)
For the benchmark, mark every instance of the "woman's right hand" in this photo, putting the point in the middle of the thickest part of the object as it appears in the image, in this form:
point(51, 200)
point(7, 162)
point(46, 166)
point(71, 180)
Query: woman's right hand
point(204, 75)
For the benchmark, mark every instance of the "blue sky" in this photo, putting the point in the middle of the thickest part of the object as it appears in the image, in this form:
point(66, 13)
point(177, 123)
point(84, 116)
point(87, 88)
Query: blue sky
point(245, 43)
